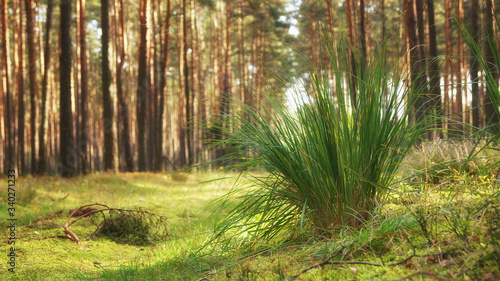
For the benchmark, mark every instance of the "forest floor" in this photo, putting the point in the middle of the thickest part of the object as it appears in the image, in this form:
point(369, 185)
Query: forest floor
point(445, 230)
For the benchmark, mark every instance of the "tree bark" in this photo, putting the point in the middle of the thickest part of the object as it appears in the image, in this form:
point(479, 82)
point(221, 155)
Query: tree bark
point(187, 91)
point(418, 80)
point(491, 113)
point(65, 115)
point(9, 154)
point(362, 35)
point(181, 120)
point(474, 66)
point(84, 127)
point(20, 91)
point(165, 56)
point(353, 72)
point(142, 87)
point(42, 153)
point(458, 74)
point(107, 102)
point(32, 74)
point(123, 113)
point(449, 50)
point(435, 88)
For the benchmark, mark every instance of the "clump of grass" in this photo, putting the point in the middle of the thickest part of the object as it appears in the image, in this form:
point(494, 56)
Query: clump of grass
point(332, 161)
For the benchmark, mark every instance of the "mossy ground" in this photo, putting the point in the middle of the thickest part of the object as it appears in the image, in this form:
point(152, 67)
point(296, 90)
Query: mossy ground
point(457, 216)
point(43, 204)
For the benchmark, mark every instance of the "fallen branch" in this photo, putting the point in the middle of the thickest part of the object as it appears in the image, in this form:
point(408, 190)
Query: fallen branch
point(86, 211)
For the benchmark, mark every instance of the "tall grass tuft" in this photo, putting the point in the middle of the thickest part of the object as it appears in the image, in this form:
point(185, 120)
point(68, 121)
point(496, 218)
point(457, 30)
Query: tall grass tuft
point(330, 163)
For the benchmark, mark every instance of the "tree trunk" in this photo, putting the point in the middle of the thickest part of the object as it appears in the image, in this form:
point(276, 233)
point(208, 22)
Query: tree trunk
point(330, 18)
point(201, 62)
point(183, 88)
point(165, 56)
point(42, 153)
point(424, 97)
point(193, 77)
point(353, 72)
point(459, 117)
point(32, 74)
point(362, 35)
point(107, 102)
point(9, 154)
point(20, 91)
point(84, 134)
point(65, 115)
point(153, 90)
point(187, 93)
point(382, 8)
point(225, 104)
point(491, 113)
point(474, 66)
point(123, 113)
point(435, 89)
point(449, 51)
point(142, 87)
point(416, 64)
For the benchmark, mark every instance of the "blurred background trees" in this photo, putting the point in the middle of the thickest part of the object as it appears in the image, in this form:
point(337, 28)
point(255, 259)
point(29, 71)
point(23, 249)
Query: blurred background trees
point(141, 85)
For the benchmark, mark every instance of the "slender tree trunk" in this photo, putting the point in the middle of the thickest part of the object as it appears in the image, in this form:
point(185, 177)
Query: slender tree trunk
point(353, 72)
point(241, 52)
point(362, 35)
point(42, 153)
point(84, 134)
point(165, 56)
point(449, 51)
point(32, 73)
point(193, 76)
point(123, 113)
point(65, 115)
point(491, 113)
point(416, 64)
point(142, 88)
point(202, 101)
point(153, 91)
point(187, 91)
point(330, 18)
point(382, 8)
point(459, 117)
point(9, 154)
point(435, 88)
point(183, 88)
point(107, 101)
point(474, 66)
point(225, 106)
point(424, 96)
point(313, 33)
point(20, 92)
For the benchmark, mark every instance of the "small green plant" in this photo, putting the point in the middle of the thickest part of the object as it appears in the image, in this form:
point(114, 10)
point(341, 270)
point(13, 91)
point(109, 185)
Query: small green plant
point(427, 221)
point(458, 222)
point(331, 162)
